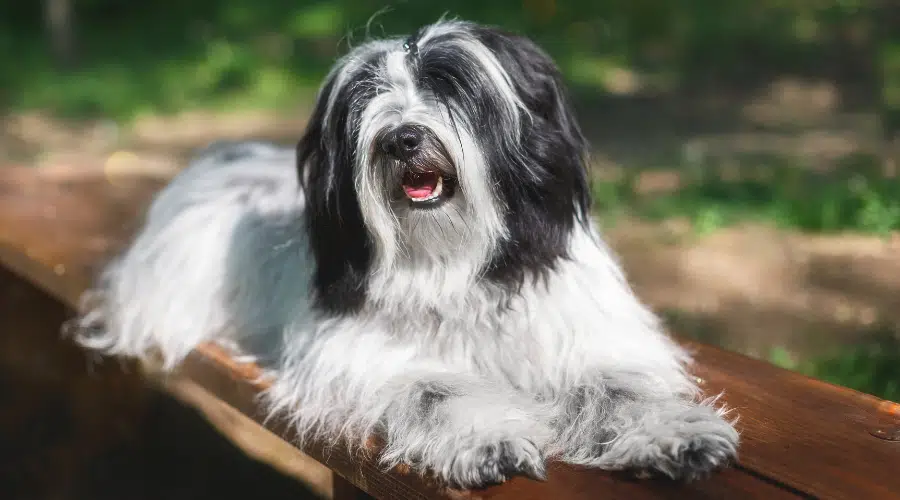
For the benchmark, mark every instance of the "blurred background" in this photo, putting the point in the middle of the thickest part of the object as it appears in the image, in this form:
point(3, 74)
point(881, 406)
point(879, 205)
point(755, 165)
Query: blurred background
point(744, 163)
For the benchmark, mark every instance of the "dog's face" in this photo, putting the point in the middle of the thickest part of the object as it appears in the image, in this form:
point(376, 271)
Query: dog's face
point(453, 147)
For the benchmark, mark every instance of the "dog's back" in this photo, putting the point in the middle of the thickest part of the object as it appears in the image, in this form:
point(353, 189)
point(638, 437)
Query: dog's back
point(225, 233)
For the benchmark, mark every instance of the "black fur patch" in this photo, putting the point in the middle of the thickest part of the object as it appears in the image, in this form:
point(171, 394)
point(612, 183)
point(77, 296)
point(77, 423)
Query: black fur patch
point(326, 154)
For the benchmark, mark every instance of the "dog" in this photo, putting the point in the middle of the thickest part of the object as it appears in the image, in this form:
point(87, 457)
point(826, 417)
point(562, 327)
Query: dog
point(423, 268)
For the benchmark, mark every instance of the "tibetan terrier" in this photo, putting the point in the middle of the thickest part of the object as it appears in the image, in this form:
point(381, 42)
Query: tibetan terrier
point(422, 268)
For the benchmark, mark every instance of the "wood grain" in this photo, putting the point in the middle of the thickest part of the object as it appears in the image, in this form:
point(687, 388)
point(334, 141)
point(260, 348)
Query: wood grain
point(800, 437)
point(345, 490)
point(238, 384)
point(811, 435)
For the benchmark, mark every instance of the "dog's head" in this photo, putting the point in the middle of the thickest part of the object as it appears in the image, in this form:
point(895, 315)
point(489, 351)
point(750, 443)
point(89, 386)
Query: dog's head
point(454, 147)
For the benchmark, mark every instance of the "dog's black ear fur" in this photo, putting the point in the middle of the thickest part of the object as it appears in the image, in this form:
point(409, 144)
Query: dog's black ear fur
point(542, 179)
point(340, 244)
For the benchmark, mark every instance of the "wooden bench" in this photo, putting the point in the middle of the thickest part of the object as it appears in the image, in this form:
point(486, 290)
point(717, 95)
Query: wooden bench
point(800, 437)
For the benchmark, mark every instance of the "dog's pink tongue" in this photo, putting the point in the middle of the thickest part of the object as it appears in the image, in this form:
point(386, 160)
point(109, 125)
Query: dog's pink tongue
point(417, 192)
point(419, 185)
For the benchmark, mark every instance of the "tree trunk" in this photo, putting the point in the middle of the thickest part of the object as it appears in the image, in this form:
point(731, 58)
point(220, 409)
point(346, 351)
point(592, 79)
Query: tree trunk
point(888, 53)
point(59, 21)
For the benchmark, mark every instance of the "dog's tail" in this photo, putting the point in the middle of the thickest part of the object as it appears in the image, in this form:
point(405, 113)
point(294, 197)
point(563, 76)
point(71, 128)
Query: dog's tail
point(217, 247)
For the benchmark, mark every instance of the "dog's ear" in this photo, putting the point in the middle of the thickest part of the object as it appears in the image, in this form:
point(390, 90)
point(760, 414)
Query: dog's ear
point(546, 204)
point(539, 85)
point(338, 238)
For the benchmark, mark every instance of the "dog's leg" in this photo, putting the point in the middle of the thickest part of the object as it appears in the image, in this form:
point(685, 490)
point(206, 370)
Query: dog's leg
point(621, 422)
point(468, 432)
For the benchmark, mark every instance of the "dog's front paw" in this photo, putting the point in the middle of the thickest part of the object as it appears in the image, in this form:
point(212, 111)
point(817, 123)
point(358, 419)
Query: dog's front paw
point(482, 465)
point(686, 446)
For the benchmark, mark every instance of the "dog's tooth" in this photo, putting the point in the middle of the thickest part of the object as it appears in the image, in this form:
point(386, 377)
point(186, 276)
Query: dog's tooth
point(439, 186)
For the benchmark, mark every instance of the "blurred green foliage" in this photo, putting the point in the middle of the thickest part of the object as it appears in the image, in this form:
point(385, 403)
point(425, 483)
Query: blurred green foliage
point(872, 366)
point(855, 195)
point(170, 55)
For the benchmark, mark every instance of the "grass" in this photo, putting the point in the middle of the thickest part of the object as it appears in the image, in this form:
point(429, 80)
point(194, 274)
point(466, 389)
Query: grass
point(872, 367)
point(856, 195)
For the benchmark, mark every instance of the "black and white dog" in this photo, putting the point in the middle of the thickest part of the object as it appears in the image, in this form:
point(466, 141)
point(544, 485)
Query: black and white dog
point(422, 268)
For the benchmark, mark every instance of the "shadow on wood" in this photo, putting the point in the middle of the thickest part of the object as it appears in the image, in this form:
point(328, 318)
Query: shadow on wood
point(76, 428)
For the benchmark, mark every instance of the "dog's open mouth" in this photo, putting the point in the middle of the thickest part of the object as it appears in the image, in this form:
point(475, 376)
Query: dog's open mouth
point(423, 188)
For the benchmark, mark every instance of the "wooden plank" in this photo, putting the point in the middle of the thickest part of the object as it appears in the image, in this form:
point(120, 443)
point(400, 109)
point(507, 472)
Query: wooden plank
point(55, 416)
point(256, 441)
point(814, 436)
point(58, 226)
point(234, 383)
point(345, 490)
point(76, 425)
point(56, 229)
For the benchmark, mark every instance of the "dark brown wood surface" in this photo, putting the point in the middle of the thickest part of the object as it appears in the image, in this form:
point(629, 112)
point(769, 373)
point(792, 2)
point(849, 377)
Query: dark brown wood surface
point(72, 433)
point(800, 437)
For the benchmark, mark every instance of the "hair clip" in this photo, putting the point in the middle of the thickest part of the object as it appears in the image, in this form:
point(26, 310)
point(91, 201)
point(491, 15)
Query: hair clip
point(411, 47)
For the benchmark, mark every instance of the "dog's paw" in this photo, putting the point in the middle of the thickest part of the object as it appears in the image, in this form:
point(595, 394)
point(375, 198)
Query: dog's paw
point(689, 445)
point(687, 458)
point(487, 464)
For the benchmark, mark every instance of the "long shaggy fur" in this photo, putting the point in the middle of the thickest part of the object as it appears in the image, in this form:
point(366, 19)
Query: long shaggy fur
point(478, 337)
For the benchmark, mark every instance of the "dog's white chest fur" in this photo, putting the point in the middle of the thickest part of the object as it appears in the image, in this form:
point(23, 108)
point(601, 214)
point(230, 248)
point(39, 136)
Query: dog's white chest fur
point(545, 336)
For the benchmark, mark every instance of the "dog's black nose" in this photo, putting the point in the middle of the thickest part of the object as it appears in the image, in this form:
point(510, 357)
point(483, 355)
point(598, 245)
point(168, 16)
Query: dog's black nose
point(402, 142)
